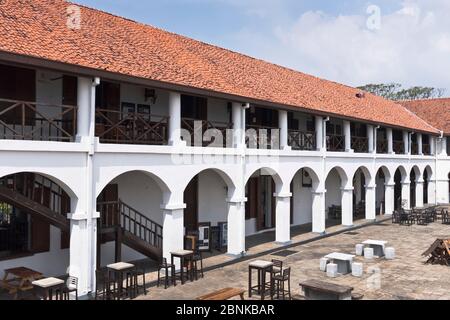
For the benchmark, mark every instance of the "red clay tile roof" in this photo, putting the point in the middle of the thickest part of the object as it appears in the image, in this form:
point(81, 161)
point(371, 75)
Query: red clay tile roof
point(38, 28)
point(435, 111)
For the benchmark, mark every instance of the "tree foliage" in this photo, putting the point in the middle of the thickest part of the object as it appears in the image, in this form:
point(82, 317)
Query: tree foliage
point(395, 91)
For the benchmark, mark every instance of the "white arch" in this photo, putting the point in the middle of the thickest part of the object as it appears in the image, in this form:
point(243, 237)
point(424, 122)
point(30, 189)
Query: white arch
point(314, 176)
point(342, 175)
point(224, 175)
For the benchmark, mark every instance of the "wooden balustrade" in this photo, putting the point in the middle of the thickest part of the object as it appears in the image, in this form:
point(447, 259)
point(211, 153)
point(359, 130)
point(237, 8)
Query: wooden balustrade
point(302, 140)
point(262, 137)
point(21, 120)
point(205, 133)
point(360, 144)
point(335, 143)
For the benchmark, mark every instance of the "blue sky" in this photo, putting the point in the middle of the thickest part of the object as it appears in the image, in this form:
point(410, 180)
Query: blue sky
point(326, 38)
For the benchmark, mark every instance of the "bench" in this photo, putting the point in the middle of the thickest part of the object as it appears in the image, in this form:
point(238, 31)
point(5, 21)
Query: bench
point(320, 290)
point(224, 294)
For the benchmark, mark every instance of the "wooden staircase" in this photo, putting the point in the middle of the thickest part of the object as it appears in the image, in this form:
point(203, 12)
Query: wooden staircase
point(121, 223)
point(38, 196)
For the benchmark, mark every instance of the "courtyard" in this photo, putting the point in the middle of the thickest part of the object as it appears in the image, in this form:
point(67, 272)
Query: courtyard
point(405, 278)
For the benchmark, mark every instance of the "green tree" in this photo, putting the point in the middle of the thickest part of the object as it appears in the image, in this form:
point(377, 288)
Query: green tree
point(395, 91)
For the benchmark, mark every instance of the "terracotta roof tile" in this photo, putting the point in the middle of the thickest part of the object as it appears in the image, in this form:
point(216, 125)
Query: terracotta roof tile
point(106, 42)
point(435, 111)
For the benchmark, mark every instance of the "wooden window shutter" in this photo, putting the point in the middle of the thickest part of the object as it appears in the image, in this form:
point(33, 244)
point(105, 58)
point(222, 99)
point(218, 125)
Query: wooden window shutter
point(40, 230)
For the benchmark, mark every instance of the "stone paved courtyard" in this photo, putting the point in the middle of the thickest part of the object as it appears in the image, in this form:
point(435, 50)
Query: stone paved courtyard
point(406, 277)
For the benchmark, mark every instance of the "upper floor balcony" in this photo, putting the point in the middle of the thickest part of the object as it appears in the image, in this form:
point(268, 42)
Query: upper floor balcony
point(46, 105)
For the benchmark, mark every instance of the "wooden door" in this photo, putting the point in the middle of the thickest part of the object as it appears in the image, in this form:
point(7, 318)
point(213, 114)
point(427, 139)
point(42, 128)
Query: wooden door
point(273, 207)
point(260, 218)
point(70, 98)
point(191, 211)
point(65, 209)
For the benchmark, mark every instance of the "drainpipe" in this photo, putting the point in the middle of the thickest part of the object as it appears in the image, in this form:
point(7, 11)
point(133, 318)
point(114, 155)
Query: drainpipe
point(324, 132)
point(375, 139)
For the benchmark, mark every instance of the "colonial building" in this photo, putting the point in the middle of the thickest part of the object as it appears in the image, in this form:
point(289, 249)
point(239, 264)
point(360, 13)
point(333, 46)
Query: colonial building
point(118, 138)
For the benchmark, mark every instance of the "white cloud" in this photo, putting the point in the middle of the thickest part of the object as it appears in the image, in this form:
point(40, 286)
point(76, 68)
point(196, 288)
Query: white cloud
point(411, 47)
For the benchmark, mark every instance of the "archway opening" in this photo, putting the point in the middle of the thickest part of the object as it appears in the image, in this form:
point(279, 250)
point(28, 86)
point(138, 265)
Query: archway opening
point(206, 213)
point(334, 183)
point(131, 219)
point(360, 181)
point(33, 220)
point(426, 181)
point(261, 202)
point(302, 186)
point(399, 178)
point(381, 179)
point(412, 189)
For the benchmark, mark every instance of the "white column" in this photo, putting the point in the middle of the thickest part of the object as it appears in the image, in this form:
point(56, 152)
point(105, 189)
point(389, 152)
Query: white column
point(320, 145)
point(390, 140)
point(370, 138)
point(406, 194)
point(348, 136)
point(237, 124)
point(84, 107)
point(371, 202)
point(433, 145)
point(443, 148)
point(318, 211)
point(406, 142)
point(173, 230)
point(389, 198)
point(419, 193)
point(419, 143)
point(347, 206)
point(283, 218)
point(175, 119)
point(283, 124)
point(236, 228)
point(80, 252)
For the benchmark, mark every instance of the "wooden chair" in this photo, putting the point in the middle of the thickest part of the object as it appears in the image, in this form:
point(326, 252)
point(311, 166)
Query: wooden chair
point(196, 259)
point(396, 217)
point(106, 288)
point(279, 281)
point(277, 267)
point(445, 217)
point(166, 266)
point(70, 286)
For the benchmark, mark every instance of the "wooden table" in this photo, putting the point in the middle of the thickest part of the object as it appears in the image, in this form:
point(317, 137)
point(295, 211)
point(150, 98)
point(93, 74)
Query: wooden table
point(320, 290)
point(117, 271)
point(19, 279)
point(47, 285)
point(224, 294)
point(262, 267)
point(378, 247)
point(183, 255)
point(343, 261)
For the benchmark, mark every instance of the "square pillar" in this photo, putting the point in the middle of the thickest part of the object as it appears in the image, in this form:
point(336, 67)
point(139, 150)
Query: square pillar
point(236, 227)
point(238, 131)
point(371, 202)
point(389, 198)
point(433, 145)
point(173, 231)
point(283, 218)
point(406, 142)
point(320, 132)
point(318, 212)
point(80, 250)
point(284, 130)
point(420, 144)
point(370, 138)
point(84, 98)
point(443, 147)
point(406, 194)
point(348, 136)
point(436, 190)
point(419, 193)
point(174, 133)
point(390, 140)
point(347, 207)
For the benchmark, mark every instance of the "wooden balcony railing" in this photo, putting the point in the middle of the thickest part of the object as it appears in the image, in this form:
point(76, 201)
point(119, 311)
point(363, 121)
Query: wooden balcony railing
point(426, 149)
point(207, 133)
point(382, 146)
point(21, 120)
point(262, 137)
point(335, 143)
point(130, 128)
point(399, 147)
point(360, 144)
point(302, 140)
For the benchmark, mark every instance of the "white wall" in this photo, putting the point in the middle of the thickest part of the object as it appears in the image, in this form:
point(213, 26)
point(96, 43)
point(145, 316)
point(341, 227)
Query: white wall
point(212, 195)
point(333, 186)
point(136, 95)
point(302, 201)
point(380, 191)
